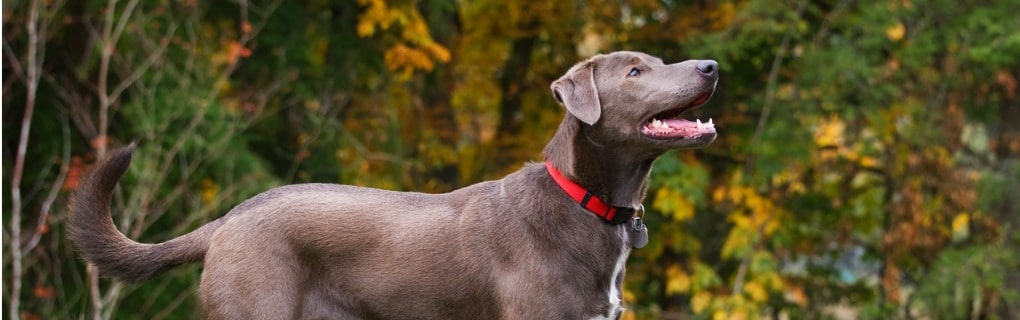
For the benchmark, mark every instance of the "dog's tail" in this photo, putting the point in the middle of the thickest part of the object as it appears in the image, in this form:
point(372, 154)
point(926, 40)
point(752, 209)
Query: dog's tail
point(93, 233)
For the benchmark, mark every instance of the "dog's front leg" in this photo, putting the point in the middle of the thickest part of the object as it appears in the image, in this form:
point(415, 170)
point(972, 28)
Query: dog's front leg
point(525, 296)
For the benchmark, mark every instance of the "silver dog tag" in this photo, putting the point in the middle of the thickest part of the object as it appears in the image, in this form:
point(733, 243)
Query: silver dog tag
point(639, 233)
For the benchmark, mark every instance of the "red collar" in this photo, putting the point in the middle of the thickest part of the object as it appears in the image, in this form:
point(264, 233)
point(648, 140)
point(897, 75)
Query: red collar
point(608, 213)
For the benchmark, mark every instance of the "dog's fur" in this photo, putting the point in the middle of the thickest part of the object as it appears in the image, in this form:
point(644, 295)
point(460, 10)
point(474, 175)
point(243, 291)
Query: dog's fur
point(515, 248)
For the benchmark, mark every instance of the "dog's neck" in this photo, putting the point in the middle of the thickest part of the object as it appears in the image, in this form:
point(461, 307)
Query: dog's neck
point(610, 172)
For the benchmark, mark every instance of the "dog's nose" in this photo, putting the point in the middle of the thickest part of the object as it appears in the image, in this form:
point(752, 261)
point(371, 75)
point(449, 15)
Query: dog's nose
point(708, 68)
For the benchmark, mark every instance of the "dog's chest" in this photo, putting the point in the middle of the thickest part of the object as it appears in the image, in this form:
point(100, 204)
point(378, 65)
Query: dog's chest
point(615, 294)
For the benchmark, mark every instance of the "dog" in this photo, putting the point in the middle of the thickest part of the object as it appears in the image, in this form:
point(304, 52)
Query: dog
point(546, 242)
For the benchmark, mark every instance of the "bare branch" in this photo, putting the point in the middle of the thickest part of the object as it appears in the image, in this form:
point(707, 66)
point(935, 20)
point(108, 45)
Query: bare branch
point(44, 210)
point(125, 16)
point(14, 64)
point(149, 61)
point(109, 39)
point(770, 91)
point(218, 86)
point(33, 67)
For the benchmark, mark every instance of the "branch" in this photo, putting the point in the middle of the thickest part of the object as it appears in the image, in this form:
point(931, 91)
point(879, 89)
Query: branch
point(34, 65)
point(110, 38)
point(149, 61)
point(109, 42)
point(14, 64)
point(823, 29)
point(218, 86)
point(770, 91)
point(738, 282)
point(44, 210)
point(326, 103)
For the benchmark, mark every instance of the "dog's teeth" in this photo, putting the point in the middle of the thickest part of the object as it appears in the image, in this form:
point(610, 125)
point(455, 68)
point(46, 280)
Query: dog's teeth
point(710, 121)
point(656, 123)
point(700, 125)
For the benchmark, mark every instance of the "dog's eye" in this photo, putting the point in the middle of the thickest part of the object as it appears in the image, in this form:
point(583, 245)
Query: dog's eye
point(634, 72)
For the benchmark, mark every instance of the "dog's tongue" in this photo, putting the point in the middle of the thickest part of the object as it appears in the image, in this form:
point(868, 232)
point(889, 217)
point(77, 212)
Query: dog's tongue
point(678, 127)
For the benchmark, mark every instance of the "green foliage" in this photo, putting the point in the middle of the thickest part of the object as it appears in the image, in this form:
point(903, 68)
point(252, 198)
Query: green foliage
point(966, 280)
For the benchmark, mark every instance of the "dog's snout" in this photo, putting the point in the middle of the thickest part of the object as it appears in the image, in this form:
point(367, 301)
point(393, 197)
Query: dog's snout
point(708, 68)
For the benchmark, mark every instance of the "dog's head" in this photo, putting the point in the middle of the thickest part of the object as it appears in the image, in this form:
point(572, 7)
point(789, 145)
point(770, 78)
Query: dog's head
point(634, 98)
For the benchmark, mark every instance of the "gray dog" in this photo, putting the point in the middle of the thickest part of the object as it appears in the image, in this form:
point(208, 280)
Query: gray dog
point(546, 242)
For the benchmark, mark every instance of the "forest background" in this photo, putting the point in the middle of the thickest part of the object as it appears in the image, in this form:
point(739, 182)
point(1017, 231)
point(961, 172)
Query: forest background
point(868, 163)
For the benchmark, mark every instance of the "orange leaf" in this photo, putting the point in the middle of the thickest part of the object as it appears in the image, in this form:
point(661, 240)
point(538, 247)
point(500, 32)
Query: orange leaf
point(99, 141)
point(1008, 82)
point(74, 171)
point(796, 295)
point(44, 292)
point(45, 227)
point(29, 316)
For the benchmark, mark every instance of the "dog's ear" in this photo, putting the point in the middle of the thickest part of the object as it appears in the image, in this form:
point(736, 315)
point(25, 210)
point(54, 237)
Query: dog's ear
point(576, 91)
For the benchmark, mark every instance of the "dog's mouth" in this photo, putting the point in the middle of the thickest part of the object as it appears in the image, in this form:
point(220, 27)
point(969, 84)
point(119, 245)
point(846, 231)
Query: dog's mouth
point(669, 125)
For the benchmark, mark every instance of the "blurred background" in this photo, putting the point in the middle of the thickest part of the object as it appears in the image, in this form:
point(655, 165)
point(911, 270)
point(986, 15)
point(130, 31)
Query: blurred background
point(867, 167)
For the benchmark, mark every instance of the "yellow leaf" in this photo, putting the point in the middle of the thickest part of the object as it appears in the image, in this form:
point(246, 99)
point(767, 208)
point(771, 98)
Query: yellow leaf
point(628, 295)
point(438, 52)
point(720, 315)
point(376, 13)
point(700, 301)
point(407, 58)
point(739, 220)
point(673, 203)
point(677, 280)
point(729, 315)
point(629, 315)
point(961, 226)
point(738, 239)
point(896, 32)
point(868, 162)
point(312, 105)
point(775, 281)
point(719, 194)
point(723, 15)
point(209, 190)
point(756, 291)
point(829, 133)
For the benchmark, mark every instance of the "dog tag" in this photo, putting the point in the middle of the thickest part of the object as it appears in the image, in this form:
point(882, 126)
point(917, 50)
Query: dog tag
point(639, 233)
